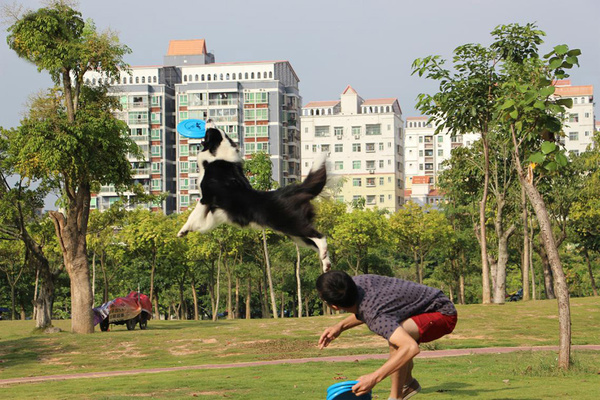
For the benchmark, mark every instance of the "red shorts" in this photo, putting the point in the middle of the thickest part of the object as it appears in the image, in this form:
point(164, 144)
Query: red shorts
point(433, 326)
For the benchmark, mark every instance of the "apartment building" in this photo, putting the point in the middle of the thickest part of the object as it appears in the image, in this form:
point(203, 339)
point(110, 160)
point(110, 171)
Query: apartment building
point(364, 143)
point(424, 151)
point(579, 120)
point(256, 103)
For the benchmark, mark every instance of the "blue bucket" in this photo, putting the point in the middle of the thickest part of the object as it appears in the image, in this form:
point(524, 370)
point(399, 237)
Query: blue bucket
point(343, 391)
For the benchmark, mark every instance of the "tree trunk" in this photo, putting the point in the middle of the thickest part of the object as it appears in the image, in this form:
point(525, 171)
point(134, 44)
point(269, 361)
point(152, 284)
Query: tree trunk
point(525, 259)
point(249, 299)
point(589, 265)
point(269, 277)
point(215, 312)
point(152, 272)
point(416, 261)
point(298, 282)
point(237, 314)
point(533, 284)
point(195, 299)
point(500, 286)
point(306, 306)
point(461, 285)
point(562, 291)
point(421, 268)
point(105, 280)
point(156, 306)
point(485, 271)
point(182, 309)
point(229, 309)
point(45, 298)
point(548, 276)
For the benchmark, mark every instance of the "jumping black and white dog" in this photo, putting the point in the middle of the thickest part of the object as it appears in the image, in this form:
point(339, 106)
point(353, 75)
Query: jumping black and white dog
point(228, 197)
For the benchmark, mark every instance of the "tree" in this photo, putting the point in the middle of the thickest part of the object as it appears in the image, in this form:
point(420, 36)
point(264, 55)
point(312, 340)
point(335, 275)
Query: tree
point(13, 260)
point(70, 137)
point(259, 167)
point(356, 233)
point(19, 221)
point(585, 215)
point(474, 78)
point(533, 117)
point(418, 231)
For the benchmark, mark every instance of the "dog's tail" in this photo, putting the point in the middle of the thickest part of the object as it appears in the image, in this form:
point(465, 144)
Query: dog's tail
point(316, 178)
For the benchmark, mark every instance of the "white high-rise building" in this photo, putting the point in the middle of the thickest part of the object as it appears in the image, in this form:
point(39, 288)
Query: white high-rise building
point(424, 152)
point(364, 143)
point(256, 103)
point(579, 124)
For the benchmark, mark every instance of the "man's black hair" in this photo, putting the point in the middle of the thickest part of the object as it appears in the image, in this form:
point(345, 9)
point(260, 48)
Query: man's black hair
point(337, 288)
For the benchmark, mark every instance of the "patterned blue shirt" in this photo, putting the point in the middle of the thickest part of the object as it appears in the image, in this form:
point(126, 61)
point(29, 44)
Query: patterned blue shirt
point(385, 302)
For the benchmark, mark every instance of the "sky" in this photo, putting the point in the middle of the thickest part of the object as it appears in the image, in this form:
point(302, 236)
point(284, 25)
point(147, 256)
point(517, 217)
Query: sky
point(368, 44)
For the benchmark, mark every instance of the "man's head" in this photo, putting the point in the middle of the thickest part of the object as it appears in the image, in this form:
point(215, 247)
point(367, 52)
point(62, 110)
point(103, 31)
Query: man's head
point(338, 289)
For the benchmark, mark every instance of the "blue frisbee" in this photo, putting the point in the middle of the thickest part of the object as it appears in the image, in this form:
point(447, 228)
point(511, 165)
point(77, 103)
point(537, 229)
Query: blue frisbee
point(343, 391)
point(192, 128)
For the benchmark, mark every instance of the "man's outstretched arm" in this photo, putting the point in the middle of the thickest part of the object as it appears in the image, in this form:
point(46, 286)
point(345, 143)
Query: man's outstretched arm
point(334, 331)
point(407, 350)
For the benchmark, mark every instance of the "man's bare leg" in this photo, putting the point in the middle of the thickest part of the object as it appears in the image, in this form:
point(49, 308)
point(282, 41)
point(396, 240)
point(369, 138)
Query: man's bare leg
point(404, 375)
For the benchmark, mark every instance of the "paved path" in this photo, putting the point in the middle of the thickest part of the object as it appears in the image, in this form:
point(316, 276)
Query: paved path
point(423, 354)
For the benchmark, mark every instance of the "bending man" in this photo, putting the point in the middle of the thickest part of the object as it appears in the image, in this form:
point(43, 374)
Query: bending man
point(404, 312)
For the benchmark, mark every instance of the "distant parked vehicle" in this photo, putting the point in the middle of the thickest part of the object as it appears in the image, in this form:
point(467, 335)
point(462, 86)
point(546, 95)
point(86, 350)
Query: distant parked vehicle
point(515, 296)
point(130, 311)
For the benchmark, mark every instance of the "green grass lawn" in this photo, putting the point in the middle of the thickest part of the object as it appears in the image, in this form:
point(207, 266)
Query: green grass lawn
point(525, 376)
point(180, 343)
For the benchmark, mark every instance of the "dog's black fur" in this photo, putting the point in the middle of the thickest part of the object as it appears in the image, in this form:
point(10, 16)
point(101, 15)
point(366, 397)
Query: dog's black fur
point(228, 197)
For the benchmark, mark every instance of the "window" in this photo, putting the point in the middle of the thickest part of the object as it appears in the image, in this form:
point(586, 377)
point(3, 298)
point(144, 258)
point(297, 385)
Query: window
point(325, 148)
point(420, 153)
point(157, 151)
point(371, 200)
point(429, 153)
point(183, 166)
point(156, 133)
point(381, 198)
point(356, 182)
point(420, 139)
point(440, 152)
point(428, 166)
point(381, 181)
point(356, 164)
point(339, 148)
point(156, 184)
point(184, 200)
point(380, 163)
point(573, 117)
point(573, 135)
point(321, 131)
point(356, 147)
point(371, 164)
point(262, 114)
point(184, 184)
point(314, 148)
point(339, 165)
point(370, 147)
point(156, 167)
point(155, 101)
point(356, 130)
point(155, 118)
point(370, 182)
point(338, 131)
point(380, 146)
point(183, 150)
point(440, 139)
point(373, 129)
point(183, 115)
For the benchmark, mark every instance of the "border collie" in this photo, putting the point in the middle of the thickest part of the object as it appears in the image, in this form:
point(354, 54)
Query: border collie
point(228, 197)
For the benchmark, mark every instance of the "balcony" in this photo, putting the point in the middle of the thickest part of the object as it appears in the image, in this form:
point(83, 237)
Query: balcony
point(138, 173)
point(223, 102)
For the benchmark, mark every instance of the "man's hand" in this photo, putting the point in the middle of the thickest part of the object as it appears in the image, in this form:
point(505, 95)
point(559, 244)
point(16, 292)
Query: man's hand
point(329, 335)
point(365, 384)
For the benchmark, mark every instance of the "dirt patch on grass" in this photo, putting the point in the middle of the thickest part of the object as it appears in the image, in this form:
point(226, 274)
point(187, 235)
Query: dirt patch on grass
point(123, 349)
point(222, 393)
point(276, 347)
point(464, 337)
point(53, 361)
point(203, 341)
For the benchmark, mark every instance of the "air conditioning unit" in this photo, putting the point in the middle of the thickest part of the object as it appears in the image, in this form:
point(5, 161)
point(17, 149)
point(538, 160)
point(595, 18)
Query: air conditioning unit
point(371, 170)
point(356, 136)
point(339, 137)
